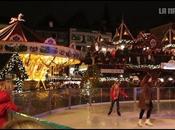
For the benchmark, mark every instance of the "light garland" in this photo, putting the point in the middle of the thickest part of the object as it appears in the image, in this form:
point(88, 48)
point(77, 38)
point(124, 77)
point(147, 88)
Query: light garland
point(14, 60)
point(19, 83)
point(143, 66)
point(169, 45)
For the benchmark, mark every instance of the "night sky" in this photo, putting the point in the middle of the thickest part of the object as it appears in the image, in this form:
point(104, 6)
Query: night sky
point(137, 15)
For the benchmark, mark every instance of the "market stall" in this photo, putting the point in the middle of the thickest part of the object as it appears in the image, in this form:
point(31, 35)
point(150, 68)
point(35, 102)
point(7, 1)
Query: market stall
point(39, 56)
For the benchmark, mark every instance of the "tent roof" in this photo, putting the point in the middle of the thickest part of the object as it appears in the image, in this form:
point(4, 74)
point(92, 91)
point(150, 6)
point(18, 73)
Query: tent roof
point(16, 31)
point(123, 33)
point(169, 37)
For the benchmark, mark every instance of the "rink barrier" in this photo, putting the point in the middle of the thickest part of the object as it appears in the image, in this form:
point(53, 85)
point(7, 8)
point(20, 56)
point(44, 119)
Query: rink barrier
point(39, 102)
point(12, 115)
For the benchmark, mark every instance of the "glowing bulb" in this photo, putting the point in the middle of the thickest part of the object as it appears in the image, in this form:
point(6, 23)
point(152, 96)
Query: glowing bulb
point(125, 33)
point(122, 47)
point(96, 48)
point(170, 79)
point(121, 76)
point(103, 49)
point(101, 39)
point(161, 79)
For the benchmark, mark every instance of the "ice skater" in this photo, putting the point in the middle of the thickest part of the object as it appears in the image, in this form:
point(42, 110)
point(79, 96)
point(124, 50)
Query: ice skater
point(145, 100)
point(115, 92)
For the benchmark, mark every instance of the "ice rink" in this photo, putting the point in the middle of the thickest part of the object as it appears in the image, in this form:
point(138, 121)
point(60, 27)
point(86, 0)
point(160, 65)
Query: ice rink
point(95, 116)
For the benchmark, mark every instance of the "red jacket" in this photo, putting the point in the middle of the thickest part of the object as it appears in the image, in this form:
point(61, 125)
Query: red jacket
point(116, 92)
point(5, 104)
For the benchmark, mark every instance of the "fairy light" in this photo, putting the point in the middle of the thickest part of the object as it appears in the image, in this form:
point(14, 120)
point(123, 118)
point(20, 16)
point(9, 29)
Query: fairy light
point(170, 79)
point(14, 60)
point(161, 79)
point(143, 66)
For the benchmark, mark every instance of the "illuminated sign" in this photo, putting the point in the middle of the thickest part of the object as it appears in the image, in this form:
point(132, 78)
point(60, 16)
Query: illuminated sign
point(168, 66)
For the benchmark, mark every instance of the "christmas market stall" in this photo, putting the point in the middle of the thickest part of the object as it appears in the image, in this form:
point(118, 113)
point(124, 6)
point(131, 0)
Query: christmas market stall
point(131, 57)
point(40, 57)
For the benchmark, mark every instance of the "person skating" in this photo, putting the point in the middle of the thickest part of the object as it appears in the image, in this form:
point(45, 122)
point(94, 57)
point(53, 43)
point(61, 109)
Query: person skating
point(145, 100)
point(115, 91)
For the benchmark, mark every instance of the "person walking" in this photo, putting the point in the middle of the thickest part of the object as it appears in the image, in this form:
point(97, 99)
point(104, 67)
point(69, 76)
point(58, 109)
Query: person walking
point(115, 92)
point(145, 100)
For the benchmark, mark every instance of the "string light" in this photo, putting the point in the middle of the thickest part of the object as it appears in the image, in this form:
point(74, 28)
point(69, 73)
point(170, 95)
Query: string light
point(143, 66)
point(14, 60)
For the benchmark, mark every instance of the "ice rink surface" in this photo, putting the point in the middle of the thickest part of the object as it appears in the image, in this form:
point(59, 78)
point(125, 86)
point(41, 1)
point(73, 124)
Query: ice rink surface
point(95, 116)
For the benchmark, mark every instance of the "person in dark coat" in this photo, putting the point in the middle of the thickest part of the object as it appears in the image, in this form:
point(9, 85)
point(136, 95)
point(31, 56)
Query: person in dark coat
point(115, 91)
point(145, 100)
point(5, 102)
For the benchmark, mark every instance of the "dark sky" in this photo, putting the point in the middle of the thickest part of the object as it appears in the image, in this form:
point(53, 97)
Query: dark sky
point(137, 14)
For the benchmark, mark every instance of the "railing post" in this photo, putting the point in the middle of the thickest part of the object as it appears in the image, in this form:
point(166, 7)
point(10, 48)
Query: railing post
point(158, 94)
point(101, 94)
point(90, 96)
point(69, 98)
point(29, 104)
point(169, 96)
point(80, 96)
point(50, 101)
point(135, 94)
point(90, 100)
point(10, 115)
point(158, 99)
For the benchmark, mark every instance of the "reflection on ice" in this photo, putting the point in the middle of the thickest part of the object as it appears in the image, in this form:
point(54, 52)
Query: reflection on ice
point(95, 116)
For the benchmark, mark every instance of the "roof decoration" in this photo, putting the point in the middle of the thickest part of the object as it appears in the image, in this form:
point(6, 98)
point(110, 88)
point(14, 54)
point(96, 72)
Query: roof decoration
point(123, 35)
point(169, 37)
point(168, 40)
point(147, 40)
point(50, 41)
point(16, 31)
point(19, 18)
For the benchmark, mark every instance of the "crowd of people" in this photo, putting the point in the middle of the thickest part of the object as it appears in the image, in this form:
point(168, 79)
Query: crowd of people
point(135, 56)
